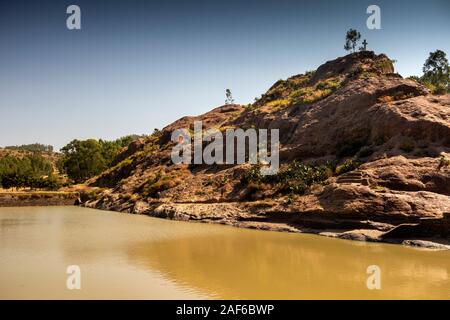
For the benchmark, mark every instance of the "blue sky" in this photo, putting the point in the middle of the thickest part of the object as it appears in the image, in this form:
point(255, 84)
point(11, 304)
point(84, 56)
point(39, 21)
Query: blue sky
point(139, 65)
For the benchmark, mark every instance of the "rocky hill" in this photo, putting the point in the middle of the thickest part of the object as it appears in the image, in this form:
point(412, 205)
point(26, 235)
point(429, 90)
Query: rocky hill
point(365, 155)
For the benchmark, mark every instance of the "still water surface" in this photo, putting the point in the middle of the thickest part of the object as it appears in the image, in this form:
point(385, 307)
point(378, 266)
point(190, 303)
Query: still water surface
point(138, 257)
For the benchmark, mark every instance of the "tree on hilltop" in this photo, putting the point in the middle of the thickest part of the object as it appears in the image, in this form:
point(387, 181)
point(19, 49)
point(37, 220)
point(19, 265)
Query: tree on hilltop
point(351, 40)
point(229, 97)
point(436, 72)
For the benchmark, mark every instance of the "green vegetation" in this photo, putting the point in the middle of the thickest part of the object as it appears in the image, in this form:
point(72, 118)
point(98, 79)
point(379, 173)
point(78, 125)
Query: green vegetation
point(384, 65)
point(281, 91)
point(35, 147)
point(351, 40)
point(329, 84)
point(305, 95)
point(31, 171)
point(436, 73)
point(296, 178)
point(278, 104)
point(84, 159)
point(229, 97)
point(309, 95)
point(296, 90)
point(347, 166)
point(160, 182)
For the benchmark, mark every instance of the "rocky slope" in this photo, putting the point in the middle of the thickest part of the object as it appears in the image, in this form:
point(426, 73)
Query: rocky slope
point(384, 141)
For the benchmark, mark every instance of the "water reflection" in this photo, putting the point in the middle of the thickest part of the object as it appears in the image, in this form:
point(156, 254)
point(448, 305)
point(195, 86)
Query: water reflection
point(256, 265)
point(126, 256)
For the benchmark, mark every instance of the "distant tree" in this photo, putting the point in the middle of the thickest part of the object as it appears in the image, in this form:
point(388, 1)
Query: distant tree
point(109, 150)
point(229, 97)
point(436, 72)
point(25, 171)
point(34, 147)
point(83, 159)
point(351, 40)
point(126, 140)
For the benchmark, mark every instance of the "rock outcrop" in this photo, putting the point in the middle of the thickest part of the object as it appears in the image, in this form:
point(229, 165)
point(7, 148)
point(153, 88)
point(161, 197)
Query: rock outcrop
point(355, 110)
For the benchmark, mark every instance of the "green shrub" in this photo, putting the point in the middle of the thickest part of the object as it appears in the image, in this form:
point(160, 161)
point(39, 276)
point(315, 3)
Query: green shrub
point(347, 166)
point(160, 182)
point(253, 174)
point(278, 104)
point(330, 84)
point(384, 66)
point(297, 178)
point(309, 95)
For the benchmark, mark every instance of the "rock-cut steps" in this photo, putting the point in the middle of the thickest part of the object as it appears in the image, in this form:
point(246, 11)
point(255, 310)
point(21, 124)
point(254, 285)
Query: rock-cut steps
point(356, 177)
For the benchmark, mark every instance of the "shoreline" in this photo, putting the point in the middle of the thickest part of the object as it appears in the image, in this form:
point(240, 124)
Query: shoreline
point(237, 215)
point(37, 198)
point(240, 215)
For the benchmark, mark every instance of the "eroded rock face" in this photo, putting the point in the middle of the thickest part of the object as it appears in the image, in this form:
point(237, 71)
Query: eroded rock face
point(366, 61)
point(351, 107)
point(417, 174)
point(361, 202)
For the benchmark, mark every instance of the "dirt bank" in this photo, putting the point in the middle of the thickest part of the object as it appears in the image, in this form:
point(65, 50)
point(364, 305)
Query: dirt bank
point(26, 199)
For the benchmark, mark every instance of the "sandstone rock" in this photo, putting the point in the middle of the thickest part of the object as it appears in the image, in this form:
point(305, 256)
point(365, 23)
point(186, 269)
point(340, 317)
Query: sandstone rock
point(425, 244)
point(392, 124)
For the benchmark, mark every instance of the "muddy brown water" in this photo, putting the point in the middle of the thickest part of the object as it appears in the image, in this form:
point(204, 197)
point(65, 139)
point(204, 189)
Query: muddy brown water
point(123, 256)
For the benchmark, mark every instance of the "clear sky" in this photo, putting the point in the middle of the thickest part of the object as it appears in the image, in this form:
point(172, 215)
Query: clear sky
point(139, 65)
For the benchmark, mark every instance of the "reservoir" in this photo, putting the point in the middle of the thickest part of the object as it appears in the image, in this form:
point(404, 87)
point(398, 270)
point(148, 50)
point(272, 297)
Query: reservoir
point(124, 256)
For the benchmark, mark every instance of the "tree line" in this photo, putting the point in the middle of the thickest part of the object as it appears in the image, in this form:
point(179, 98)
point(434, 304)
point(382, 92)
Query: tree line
point(84, 159)
point(30, 171)
point(34, 147)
